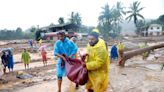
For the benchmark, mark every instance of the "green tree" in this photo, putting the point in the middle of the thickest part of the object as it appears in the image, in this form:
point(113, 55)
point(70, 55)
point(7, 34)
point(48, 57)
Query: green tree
point(61, 20)
point(19, 33)
point(31, 32)
point(105, 21)
point(75, 18)
point(11, 34)
point(106, 16)
point(135, 12)
point(117, 16)
point(161, 21)
point(141, 25)
point(118, 12)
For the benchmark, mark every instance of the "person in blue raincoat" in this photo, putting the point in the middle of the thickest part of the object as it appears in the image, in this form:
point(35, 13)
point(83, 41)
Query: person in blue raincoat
point(63, 46)
point(10, 61)
point(30, 43)
point(113, 52)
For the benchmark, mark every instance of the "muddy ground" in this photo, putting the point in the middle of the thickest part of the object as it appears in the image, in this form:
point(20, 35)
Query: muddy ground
point(137, 76)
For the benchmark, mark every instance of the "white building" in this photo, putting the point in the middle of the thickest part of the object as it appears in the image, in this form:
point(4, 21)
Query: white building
point(154, 29)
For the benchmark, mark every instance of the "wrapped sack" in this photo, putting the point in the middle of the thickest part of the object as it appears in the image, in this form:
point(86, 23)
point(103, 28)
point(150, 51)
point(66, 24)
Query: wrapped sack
point(75, 71)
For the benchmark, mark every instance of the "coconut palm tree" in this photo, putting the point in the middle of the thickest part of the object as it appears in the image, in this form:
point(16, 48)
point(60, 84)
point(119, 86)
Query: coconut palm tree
point(110, 18)
point(75, 18)
point(105, 21)
point(117, 14)
point(106, 15)
point(135, 12)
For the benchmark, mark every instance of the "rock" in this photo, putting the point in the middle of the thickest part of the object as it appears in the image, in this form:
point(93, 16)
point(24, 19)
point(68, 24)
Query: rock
point(23, 82)
point(22, 75)
point(28, 83)
point(46, 79)
point(124, 74)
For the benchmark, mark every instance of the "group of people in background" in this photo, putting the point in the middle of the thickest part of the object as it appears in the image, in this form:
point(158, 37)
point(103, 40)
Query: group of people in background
point(25, 57)
point(7, 59)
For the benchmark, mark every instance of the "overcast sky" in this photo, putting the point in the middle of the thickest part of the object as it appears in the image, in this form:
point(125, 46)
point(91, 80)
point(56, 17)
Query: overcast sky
point(25, 13)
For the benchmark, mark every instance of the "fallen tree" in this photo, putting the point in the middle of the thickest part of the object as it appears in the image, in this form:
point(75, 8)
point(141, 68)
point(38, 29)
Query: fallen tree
point(129, 54)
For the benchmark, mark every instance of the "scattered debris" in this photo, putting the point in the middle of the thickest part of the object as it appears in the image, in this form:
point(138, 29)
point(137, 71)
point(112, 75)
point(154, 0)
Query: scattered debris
point(124, 74)
point(3, 81)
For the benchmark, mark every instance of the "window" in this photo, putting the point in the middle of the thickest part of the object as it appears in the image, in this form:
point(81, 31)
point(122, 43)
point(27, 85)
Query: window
point(157, 27)
point(151, 28)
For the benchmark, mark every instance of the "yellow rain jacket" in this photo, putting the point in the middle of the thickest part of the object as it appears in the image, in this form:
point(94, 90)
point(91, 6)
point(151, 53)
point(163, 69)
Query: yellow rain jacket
point(97, 65)
point(120, 46)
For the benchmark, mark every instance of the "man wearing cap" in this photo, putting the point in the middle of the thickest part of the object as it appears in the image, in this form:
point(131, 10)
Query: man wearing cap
point(63, 46)
point(97, 64)
point(98, 32)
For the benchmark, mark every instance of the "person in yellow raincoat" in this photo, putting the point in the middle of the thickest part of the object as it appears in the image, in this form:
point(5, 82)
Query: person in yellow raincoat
point(40, 42)
point(120, 48)
point(97, 64)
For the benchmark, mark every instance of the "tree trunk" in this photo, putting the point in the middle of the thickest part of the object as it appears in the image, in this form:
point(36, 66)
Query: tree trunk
point(129, 54)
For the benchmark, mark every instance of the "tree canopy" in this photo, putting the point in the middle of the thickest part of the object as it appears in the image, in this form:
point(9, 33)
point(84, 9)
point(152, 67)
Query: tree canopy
point(75, 18)
point(109, 20)
point(134, 11)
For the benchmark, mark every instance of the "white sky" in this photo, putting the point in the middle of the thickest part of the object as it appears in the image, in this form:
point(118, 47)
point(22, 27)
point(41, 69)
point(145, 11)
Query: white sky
point(26, 13)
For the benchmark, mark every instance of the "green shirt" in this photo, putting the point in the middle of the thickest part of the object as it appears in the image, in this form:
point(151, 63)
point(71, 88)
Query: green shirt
point(25, 57)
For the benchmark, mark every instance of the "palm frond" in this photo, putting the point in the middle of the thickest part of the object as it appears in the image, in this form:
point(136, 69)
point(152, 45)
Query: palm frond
point(140, 9)
point(137, 4)
point(129, 17)
point(140, 16)
point(129, 12)
point(123, 12)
